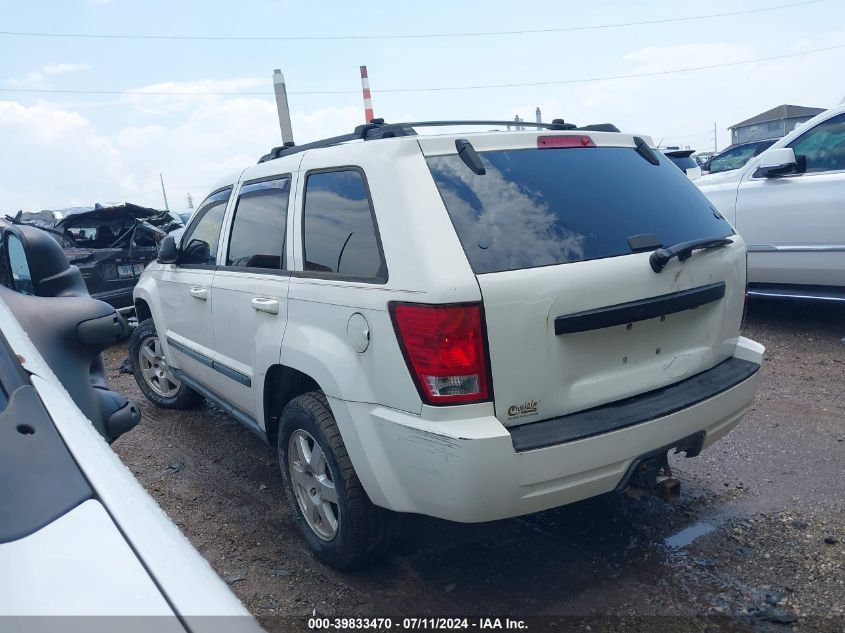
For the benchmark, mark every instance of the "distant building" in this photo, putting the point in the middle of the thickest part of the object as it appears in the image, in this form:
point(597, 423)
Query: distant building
point(773, 123)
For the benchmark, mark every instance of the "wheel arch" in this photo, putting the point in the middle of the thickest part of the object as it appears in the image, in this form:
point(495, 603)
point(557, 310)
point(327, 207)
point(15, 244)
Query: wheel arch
point(142, 310)
point(281, 385)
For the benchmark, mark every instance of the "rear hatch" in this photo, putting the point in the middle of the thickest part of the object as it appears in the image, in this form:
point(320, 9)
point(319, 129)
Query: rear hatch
point(547, 233)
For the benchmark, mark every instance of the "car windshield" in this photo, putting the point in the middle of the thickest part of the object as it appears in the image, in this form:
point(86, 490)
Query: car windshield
point(736, 157)
point(541, 207)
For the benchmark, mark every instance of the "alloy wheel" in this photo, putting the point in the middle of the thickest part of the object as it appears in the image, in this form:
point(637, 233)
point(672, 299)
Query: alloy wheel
point(313, 484)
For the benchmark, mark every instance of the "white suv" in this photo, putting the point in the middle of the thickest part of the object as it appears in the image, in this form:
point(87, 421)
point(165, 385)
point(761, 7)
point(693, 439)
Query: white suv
point(787, 203)
point(467, 326)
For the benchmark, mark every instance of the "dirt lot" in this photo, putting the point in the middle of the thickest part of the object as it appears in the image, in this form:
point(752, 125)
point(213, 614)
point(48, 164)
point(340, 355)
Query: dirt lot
point(757, 542)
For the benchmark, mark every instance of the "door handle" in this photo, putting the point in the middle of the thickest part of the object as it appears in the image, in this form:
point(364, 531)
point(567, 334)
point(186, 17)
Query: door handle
point(264, 304)
point(199, 293)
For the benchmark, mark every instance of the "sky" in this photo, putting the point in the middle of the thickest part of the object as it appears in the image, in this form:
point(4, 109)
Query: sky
point(61, 149)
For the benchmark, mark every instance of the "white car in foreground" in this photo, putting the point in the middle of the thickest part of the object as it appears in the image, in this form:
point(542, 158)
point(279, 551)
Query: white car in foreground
point(788, 204)
point(78, 535)
point(469, 326)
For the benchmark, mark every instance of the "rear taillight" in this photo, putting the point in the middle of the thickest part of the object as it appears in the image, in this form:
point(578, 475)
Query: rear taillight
point(445, 349)
point(552, 142)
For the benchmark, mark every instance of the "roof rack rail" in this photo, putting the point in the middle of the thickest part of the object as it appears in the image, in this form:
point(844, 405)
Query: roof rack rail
point(378, 129)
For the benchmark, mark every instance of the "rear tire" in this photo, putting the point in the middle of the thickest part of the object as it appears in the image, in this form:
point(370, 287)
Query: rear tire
point(331, 508)
point(152, 374)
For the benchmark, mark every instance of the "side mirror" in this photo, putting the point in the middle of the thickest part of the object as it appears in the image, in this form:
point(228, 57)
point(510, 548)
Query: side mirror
point(49, 299)
point(38, 265)
point(777, 162)
point(167, 251)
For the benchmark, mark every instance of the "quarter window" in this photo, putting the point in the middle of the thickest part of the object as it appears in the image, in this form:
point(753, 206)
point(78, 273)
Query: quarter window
point(258, 230)
point(823, 147)
point(202, 237)
point(339, 230)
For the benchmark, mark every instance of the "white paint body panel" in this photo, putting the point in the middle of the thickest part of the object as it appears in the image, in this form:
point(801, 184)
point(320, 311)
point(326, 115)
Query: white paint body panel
point(124, 521)
point(572, 372)
point(466, 469)
point(78, 550)
point(794, 226)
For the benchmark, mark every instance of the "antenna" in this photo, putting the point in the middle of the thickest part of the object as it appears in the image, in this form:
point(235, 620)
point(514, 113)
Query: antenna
point(282, 107)
point(163, 192)
point(368, 98)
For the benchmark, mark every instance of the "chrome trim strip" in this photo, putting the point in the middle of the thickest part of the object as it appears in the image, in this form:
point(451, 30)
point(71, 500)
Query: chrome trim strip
point(780, 295)
point(796, 248)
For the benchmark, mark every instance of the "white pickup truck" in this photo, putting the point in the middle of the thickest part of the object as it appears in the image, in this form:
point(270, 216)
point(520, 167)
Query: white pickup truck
point(788, 204)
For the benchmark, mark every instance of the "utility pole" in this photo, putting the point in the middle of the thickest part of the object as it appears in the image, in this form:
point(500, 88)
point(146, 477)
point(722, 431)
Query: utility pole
point(715, 138)
point(282, 107)
point(163, 192)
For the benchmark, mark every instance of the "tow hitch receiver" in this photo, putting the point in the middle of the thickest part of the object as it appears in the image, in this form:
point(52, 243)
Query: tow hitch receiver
point(652, 475)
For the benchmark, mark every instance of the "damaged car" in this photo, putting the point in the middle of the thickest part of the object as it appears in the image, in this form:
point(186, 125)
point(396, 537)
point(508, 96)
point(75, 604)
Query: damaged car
point(111, 245)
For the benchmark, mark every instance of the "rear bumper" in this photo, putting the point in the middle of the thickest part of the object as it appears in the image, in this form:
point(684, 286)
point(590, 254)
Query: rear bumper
point(469, 470)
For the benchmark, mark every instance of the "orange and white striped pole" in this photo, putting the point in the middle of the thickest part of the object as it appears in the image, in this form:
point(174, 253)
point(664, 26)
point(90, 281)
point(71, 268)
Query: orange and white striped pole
point(368, 99)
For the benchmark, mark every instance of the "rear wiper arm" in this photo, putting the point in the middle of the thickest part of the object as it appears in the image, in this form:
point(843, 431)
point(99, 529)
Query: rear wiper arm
point(659, 258)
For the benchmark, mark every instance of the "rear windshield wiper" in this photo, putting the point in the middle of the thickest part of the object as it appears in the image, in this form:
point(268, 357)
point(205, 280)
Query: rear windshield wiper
point(659, 258)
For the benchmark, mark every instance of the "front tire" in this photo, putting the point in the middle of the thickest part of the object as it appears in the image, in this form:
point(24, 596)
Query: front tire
point(331, 508)
point(154, 377)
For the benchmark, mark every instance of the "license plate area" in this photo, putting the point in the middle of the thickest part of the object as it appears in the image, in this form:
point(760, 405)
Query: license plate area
point(129, 270)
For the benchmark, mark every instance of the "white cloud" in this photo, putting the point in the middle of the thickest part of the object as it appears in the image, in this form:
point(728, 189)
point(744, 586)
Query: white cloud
point(156, 99)
point(59, 69)
point(655, 59)
point(55, 156)
point(62, 159)
point(58, 155)
point(36, 79)
point(31, 81)
point(682, 107)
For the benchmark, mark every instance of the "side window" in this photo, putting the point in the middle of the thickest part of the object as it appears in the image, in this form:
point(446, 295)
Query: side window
point(19, 266)
point(339, 228)
point(199, 244)
point(823, 147)
point(258, 231)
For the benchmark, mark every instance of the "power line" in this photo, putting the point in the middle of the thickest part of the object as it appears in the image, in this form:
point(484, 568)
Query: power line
point(655, 73)
point(303, 38)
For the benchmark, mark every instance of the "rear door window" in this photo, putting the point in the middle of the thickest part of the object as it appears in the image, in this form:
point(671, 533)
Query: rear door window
point(554, 206)
point(258, 230)
point(340, 233)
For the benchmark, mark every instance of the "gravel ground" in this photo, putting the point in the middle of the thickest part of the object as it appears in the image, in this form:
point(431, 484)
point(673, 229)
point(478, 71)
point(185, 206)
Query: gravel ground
point(757, 542)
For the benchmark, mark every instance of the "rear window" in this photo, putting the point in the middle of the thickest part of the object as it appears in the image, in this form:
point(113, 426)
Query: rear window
point(684, 162)
point(543, 207)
